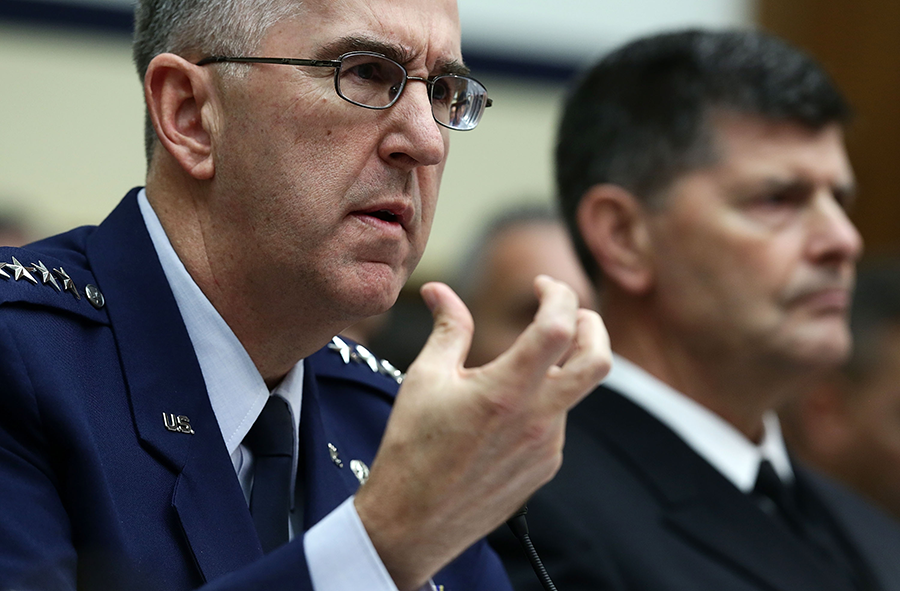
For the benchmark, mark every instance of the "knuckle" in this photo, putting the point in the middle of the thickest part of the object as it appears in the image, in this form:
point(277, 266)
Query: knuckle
point(558, 331)
point(595, 370)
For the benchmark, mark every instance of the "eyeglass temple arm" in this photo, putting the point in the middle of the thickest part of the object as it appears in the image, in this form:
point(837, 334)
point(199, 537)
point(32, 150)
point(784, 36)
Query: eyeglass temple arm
point(287, 61)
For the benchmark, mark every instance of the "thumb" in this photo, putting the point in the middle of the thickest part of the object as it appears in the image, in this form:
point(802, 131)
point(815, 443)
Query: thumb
point(451, 335)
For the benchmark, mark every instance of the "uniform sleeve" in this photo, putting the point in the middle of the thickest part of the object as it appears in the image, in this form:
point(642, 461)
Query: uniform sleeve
point(36, 549)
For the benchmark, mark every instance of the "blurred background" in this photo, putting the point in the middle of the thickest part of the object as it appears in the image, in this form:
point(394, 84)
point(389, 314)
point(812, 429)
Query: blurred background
point(71, 111)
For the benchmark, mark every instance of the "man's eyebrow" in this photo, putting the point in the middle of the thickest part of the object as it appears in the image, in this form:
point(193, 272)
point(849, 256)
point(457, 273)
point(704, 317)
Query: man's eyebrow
point(451, 67)
point(401, 55)
point(843, 192)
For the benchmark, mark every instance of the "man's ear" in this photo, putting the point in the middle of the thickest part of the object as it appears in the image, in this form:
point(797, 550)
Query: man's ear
point(613, 224)
point(177, 94)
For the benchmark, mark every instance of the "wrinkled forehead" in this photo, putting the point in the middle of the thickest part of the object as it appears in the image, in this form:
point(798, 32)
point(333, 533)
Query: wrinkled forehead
point(776, 145)
point(425, 32)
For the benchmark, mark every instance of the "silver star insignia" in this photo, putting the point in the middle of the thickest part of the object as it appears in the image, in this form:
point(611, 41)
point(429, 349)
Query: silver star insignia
point(20, 271)
point(385, 367)
point(3, 273)
point(359, 354)
point(366, 356)
point(68, 284)
point(46, 276)
point(338, 344)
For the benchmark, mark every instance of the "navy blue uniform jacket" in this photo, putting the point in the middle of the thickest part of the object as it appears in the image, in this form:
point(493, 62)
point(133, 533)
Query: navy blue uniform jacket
point(95, 491)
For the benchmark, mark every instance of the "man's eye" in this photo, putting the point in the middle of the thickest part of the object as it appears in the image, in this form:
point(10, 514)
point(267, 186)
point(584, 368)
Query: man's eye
point(439, 91)
point(365, 71)
point(790, 196)
point(777, 199)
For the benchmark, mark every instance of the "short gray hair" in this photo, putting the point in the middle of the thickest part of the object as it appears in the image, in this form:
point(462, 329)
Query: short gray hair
point(197, 28)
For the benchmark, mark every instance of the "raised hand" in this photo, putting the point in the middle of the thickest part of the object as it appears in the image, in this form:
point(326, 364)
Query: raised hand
point(465, 447)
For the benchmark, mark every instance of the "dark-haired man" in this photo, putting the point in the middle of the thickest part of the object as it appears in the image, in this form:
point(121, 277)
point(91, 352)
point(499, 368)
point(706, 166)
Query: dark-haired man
point(176, 412)
point(706, 182)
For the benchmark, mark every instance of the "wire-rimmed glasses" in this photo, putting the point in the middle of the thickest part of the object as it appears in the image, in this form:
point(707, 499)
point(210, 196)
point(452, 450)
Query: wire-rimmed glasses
point(374, 81)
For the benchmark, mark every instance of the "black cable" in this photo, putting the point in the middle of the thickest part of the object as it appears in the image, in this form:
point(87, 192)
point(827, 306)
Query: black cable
point(519, 527)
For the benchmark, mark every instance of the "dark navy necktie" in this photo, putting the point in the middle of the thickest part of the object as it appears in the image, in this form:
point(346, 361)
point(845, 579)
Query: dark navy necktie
point(775, 497)
point(271, 440)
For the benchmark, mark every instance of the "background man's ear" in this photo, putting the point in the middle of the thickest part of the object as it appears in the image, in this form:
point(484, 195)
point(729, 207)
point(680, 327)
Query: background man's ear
point(178, 94)
point(613, 224)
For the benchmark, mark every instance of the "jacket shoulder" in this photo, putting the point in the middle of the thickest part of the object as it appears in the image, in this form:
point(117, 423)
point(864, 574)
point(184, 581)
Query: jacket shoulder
point(52, 275)
point(346, 360)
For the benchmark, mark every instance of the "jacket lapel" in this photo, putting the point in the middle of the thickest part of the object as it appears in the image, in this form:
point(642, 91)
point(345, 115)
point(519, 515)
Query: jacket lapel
point(164, 383)
point(873, 534)
point(328, 480)
point(700, 504)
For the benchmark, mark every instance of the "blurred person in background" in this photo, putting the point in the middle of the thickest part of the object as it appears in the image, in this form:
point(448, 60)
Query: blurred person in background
point(496, 278)
point(848, 424)
point(176, 411)
point(705, 180)
point(13, 230)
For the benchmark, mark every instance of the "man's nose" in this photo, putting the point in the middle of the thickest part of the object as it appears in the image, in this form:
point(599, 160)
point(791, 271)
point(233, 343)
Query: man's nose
point(415, 138)
point(833, 234)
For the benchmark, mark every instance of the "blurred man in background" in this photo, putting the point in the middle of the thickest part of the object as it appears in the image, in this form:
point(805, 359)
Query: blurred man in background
point(705, 179)
point(848, 424)
point(13, 231)
point(496, 279)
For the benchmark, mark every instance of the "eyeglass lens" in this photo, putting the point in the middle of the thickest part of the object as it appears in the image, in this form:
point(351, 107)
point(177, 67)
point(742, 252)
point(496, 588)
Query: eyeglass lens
point(374, 81)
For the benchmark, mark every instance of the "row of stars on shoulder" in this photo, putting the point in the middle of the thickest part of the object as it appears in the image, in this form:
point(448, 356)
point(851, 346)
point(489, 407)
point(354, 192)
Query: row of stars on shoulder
point(38, 273)
point(359, 354)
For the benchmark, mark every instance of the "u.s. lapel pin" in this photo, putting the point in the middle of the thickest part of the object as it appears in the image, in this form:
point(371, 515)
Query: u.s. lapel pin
point(335, 455)
point(177, 424)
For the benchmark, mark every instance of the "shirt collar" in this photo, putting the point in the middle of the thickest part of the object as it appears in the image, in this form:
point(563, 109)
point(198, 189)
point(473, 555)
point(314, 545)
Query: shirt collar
point(237, 391)
point(709, 435)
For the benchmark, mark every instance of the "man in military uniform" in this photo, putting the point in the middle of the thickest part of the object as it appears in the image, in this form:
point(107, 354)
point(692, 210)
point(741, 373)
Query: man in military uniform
point(705, 180)
point(175, 412)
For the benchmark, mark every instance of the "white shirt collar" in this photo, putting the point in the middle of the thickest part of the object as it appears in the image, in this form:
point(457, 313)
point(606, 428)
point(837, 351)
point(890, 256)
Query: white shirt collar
point(708, 434)
point(236, 389)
